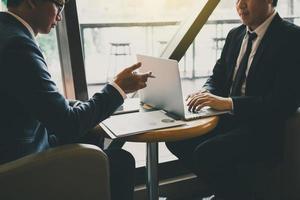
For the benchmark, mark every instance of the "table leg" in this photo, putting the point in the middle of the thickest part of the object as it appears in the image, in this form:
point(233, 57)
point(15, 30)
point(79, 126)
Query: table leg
point(151, 165)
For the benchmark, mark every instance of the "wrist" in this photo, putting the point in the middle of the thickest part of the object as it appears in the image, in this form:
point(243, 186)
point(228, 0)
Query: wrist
point(229, 104)
point(119, 89)
point(203, 90)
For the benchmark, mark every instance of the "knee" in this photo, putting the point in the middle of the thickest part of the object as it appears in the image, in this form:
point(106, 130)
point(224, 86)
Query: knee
point(172, 146)
point(179, 149)
point(121, 158)
point(128, 158)
point(205, 158)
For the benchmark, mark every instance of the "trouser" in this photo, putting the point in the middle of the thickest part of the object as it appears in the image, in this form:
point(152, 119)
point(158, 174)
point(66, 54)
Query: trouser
point(121, 167)
point(217, 156)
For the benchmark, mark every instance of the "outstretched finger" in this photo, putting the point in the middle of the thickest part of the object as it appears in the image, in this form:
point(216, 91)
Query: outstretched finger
point(134, 67)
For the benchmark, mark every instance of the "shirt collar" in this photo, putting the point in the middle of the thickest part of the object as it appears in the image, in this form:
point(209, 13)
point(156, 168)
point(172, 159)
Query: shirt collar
point(23, 22)
point(262, 29)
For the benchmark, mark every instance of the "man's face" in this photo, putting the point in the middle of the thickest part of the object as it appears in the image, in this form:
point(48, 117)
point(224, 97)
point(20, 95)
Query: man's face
point(254, 12)
point(47, 16)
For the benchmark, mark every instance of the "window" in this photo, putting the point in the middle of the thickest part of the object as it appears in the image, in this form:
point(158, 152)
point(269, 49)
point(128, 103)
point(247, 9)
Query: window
point(48, 45)
point(201, 56)
point(2, 5)
point(113, 32)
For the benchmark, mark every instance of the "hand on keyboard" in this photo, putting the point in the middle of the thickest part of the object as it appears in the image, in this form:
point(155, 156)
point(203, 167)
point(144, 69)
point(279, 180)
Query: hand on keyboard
point(198, 101)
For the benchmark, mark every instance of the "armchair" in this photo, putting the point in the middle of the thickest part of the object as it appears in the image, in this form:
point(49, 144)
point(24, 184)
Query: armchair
point(76, 172)
point(283, 181)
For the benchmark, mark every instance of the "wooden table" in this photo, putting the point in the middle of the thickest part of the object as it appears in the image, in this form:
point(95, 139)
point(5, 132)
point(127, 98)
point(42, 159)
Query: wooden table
point(192, 129)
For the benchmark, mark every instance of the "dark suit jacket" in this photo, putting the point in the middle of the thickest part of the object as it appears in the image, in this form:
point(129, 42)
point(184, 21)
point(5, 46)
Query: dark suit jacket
point(272, 86)
point(31, 105)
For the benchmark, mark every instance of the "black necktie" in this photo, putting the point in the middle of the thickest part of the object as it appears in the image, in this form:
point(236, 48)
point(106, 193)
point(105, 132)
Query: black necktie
point(241, 73)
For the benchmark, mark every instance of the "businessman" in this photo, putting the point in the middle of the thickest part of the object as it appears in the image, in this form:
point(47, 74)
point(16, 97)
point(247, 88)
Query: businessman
point(34, 115)
point(255, 79)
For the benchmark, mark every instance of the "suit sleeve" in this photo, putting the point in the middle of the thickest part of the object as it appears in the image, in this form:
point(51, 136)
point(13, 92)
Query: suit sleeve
point(37, 93)
point(215, 83)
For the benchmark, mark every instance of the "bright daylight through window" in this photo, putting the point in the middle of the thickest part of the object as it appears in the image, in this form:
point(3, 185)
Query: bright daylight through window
point(113, 32)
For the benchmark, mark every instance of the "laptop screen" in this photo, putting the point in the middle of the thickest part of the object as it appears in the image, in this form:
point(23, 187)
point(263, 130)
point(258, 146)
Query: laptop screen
point(164, 91)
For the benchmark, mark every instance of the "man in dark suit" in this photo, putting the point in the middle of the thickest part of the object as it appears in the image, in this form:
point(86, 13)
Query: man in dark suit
point(256, 80)
point(34, 115)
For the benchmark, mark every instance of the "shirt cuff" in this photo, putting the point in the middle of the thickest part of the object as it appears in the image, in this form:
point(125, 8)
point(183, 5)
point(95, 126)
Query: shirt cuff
point(232, 111)
point(122, 93)
point(77, 103)
point(203, 90)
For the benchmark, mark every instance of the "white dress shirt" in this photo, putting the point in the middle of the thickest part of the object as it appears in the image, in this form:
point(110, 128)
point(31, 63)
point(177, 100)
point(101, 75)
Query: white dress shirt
point(260, 31)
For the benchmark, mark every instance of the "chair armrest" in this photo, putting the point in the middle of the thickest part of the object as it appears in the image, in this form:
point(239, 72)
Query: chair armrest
point(74, 172)
point(291, 171)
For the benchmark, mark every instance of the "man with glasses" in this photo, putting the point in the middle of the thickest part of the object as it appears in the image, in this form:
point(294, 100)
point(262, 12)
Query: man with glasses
point(34, 115)
point(59, 5)
point(256, 79)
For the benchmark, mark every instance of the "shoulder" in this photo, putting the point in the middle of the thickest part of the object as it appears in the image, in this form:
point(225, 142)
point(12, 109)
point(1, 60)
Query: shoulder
point(289, 36)
point(285, 27)
point(233, 33)
point(14, 36)
point(15, 45)
point(291, 29)
point(19, 43)
point(287, 23)
point(19, 52)
point(239, 29)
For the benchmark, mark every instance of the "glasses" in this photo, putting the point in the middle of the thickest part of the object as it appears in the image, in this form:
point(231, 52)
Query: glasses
point(60, 7)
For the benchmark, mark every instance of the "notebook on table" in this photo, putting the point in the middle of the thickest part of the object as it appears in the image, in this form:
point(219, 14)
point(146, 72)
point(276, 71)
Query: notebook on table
point(119, 126)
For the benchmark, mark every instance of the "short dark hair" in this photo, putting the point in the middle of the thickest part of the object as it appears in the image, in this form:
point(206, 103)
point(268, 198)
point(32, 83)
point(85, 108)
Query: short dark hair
point(14, 3)
point(275, 3)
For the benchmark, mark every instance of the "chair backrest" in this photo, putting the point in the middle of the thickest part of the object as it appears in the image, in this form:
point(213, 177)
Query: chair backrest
point(281, 182)
point(291, 167)
point(74, 172)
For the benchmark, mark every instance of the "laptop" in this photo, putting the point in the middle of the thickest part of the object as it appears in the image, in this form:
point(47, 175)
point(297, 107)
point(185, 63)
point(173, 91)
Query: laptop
point(164, 91)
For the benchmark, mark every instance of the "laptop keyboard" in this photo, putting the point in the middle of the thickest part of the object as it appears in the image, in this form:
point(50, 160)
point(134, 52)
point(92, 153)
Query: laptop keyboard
point(196, 115)
point(204, 112)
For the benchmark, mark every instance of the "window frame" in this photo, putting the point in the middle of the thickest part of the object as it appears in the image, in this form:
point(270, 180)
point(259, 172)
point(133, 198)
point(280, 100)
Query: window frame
point(71, 54)
point(73, 71)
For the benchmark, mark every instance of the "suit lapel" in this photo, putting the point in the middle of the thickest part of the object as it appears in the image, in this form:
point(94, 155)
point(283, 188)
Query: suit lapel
point(12, 20)
point(264, 44)
point(23, 30)
point(234, 54)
